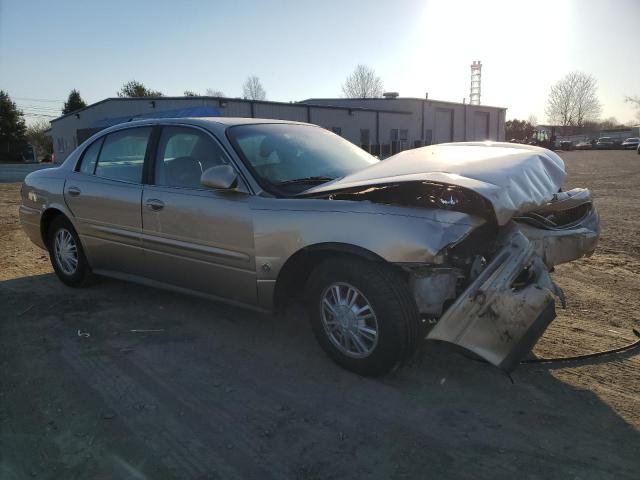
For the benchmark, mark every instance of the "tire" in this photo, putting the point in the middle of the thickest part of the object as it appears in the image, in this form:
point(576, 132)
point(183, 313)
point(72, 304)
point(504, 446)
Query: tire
point(77, 275)
point(391, 310)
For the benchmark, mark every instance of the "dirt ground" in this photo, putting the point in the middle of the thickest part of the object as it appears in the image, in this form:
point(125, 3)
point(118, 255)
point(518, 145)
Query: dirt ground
point(220, 392)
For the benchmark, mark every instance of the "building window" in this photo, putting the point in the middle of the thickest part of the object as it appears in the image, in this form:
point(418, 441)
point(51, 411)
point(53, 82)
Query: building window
point(337, 130)
point(395, 141)
point(404, 137)
point(428, 136)
point(365, 141)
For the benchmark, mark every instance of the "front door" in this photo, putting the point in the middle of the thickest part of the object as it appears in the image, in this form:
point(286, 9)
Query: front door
point(196, 237)
point(104, 195)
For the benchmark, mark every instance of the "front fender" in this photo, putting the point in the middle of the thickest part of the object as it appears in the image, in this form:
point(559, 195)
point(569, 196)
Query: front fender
point(396, 234)
point(283, 227)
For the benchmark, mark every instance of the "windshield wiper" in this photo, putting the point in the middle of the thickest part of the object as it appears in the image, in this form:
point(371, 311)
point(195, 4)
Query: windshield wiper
point(306, 180)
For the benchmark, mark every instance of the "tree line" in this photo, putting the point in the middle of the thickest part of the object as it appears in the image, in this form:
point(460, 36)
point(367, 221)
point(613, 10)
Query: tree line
point(15, 134)
point(572, 104)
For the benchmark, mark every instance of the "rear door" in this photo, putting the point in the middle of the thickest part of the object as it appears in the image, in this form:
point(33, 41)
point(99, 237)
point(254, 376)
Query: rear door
point(196, 237)
point(104, 195)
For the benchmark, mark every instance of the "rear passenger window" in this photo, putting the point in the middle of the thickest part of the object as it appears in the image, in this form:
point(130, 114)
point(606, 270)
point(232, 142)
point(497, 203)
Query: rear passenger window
point(122, 155)
point(88, 164)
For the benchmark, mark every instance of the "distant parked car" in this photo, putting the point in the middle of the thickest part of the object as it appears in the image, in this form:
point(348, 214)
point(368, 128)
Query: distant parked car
point(29, 154)
point(584, 145)
point(566, 145)
point(631, 143)
point(605, 143)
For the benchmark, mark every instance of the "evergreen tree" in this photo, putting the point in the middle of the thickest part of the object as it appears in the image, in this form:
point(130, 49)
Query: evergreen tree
point(13, 140)
point(73, 103)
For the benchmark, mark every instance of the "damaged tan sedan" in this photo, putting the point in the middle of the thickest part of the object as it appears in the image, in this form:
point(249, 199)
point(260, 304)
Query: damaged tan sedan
point(452, 242)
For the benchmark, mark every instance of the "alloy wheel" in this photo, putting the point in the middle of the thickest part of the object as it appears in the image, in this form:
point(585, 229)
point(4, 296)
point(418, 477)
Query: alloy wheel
point(349, 320)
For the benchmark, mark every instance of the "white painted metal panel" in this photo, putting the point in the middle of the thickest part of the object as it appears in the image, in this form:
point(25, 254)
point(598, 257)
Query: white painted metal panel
point(480, 126)
point(443, 131)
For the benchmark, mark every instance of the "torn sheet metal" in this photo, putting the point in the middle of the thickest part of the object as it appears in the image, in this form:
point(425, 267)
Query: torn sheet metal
point(432, 287)
point(563, 201)
point(563, 230)
point(502, 313)
point(562, 245)
point(513, 178)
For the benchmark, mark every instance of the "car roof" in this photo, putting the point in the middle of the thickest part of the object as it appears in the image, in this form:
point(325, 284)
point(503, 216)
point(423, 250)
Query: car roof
point(226, 121)
point(219, 124)
point(231, 121)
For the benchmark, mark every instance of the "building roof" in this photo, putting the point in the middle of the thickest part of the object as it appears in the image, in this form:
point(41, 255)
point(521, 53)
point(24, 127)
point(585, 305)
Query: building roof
point(225, 99)
point(310, 101)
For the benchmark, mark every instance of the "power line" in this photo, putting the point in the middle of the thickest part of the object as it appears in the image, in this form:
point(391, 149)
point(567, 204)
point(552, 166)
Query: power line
point(43, 115)
point(44, 110)
point(35, 107)
point(37, 99)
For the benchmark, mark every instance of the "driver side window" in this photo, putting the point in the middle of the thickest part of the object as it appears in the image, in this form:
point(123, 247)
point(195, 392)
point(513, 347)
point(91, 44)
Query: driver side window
point(183, 154)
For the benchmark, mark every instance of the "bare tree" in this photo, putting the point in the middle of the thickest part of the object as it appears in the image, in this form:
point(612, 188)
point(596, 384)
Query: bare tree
point(610, 123)
point(533, 120)
point(210, 92)
point(362, 83)
point(252, 89)
point(636, 102)
point(36, 136)
point(573, 101)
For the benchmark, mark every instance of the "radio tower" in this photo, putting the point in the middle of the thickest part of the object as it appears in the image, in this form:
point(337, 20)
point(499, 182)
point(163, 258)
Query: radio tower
point(476, 73)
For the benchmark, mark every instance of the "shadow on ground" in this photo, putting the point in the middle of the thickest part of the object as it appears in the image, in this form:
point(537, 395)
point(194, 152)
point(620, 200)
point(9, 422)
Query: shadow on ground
point(213, 391)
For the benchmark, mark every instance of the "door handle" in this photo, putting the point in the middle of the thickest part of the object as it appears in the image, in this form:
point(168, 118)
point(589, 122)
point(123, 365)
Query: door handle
point(154, 204)
point(73, 191)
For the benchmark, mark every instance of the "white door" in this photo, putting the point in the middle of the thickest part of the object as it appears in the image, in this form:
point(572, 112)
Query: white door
point(480, 126)
point(443, 131)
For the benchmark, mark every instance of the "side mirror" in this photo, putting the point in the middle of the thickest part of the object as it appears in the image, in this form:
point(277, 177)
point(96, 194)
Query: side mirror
point(220, 177)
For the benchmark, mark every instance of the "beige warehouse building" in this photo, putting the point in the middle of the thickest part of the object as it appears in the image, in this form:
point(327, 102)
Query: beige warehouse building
point(382, 126)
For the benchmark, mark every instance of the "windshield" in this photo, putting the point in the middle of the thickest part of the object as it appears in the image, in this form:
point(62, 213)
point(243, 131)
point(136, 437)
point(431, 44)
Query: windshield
point(291, 158)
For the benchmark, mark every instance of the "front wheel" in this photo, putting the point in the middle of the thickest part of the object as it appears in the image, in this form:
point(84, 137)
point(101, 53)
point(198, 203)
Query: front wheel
point(362, 314)
point(66, 254)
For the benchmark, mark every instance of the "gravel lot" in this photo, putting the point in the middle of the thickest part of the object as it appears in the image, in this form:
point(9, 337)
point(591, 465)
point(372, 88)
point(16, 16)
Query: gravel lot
point(219, 392)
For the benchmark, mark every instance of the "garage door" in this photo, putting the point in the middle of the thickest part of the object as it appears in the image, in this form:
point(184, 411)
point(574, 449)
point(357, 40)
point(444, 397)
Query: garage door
point(480, 126)
point(444, 126)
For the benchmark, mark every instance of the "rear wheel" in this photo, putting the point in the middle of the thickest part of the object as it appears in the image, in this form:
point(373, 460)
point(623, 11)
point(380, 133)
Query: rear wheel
point(362, 314)
point(66, 254)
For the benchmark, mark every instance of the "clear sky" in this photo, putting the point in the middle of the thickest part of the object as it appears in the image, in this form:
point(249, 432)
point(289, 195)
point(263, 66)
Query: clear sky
point(302, 49)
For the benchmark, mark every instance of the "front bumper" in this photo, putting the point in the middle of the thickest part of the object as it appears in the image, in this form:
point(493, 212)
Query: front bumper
point(556, 245)
point(505, 310)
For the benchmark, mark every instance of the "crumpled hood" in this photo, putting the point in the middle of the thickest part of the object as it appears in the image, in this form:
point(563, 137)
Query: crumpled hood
point(514, 178)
